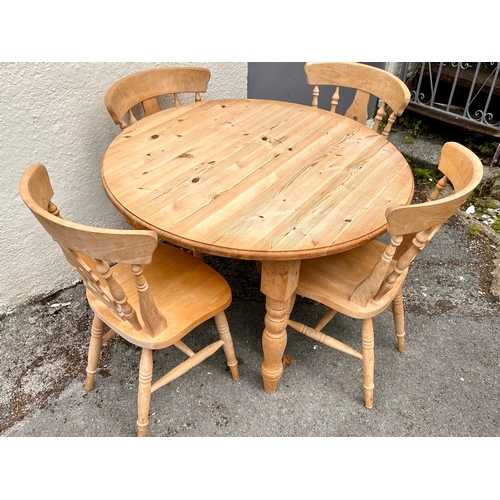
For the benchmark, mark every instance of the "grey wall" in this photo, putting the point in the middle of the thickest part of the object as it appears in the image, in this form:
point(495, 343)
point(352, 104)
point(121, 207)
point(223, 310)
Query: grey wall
point(54, 113)
point(286, 81)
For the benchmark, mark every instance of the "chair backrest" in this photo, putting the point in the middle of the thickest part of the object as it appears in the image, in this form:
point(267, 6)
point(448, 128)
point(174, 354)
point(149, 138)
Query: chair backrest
point(90, 250)
point(145, 86)
point(367, 81)
point(412, 226)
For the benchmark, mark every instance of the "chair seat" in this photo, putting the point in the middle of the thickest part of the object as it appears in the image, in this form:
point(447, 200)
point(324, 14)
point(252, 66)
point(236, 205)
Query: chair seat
point(192, 285)
point(332, 280)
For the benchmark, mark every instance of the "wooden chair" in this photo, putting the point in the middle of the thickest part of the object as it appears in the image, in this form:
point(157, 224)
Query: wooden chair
point(145, 86)
point(363, 282)
point(367, 81)
point(154, 296)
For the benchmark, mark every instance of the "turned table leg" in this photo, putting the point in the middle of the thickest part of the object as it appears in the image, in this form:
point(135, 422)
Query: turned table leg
point(278, 282)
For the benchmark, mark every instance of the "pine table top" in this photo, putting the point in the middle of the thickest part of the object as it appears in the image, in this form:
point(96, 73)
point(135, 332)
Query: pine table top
point(256, 179)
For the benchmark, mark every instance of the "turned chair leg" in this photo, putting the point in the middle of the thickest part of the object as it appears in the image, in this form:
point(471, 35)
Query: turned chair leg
point(399, 319)
point(225, 336)
point(144, 392)
point(198, 254)
point(94, 350)
point(367, 351)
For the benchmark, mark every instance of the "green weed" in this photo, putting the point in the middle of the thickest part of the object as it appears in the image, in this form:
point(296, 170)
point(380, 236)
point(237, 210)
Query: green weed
point(481, 145)
point(474, 230)
point(424, 176)
point(414, 126)
point(496, 226)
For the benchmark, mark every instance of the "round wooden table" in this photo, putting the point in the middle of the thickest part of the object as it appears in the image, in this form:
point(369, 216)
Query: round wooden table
point(263, 180)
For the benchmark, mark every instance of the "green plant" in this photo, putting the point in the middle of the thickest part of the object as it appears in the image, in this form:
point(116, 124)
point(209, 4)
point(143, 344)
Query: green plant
point(489, 202)
point(481, 145)
point(384, 121)
point(496, 226)
point(477, 199)
point(414, 126)
point(425, 175)
point(474, 230)
point(472, 199)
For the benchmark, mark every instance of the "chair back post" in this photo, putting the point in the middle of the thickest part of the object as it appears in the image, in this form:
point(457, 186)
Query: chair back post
point(154, 321)
point(364, 292)
point(418, 243)
point(367, 81)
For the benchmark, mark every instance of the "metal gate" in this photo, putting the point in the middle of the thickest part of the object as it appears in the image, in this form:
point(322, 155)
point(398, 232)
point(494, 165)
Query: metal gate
point(462, 93)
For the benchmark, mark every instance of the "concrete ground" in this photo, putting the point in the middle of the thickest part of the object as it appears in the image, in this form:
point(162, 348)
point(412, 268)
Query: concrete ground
point(446, 384)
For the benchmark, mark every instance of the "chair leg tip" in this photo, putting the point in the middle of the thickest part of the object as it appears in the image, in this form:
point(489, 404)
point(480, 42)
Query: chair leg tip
point(142, 429)
point(369, 402)
point(235, 373)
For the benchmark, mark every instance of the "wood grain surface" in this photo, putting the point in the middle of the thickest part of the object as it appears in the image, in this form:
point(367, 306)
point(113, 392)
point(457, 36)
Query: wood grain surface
point(256, 179)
